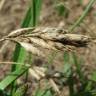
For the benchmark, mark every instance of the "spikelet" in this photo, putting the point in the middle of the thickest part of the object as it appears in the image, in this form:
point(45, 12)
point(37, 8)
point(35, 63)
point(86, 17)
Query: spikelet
point(46, 37)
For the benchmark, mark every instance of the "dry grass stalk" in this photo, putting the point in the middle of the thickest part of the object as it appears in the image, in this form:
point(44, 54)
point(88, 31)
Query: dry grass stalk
point(46, 37)
point(55, 87)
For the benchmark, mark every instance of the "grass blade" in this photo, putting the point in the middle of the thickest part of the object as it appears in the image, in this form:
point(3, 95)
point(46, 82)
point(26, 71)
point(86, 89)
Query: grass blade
point(91, 2)
point(12, 77)
point(78, 67)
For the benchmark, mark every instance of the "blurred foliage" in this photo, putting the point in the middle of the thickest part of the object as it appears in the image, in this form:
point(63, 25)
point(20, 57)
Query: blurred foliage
point(62, 9)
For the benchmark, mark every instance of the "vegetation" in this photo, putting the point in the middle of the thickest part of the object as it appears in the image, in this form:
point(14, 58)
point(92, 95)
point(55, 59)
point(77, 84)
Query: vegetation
point(71, 74)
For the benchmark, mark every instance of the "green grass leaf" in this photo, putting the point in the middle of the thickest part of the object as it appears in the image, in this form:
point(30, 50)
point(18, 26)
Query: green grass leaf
point(67, 64)
point(84, 14)
point(12, 77)
point(78, 66)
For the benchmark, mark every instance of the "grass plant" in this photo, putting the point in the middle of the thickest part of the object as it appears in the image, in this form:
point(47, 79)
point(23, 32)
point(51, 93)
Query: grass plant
point(31, 19)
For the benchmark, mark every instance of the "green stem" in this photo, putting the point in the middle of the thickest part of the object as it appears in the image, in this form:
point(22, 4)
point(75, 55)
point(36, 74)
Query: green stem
point(82, 16)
